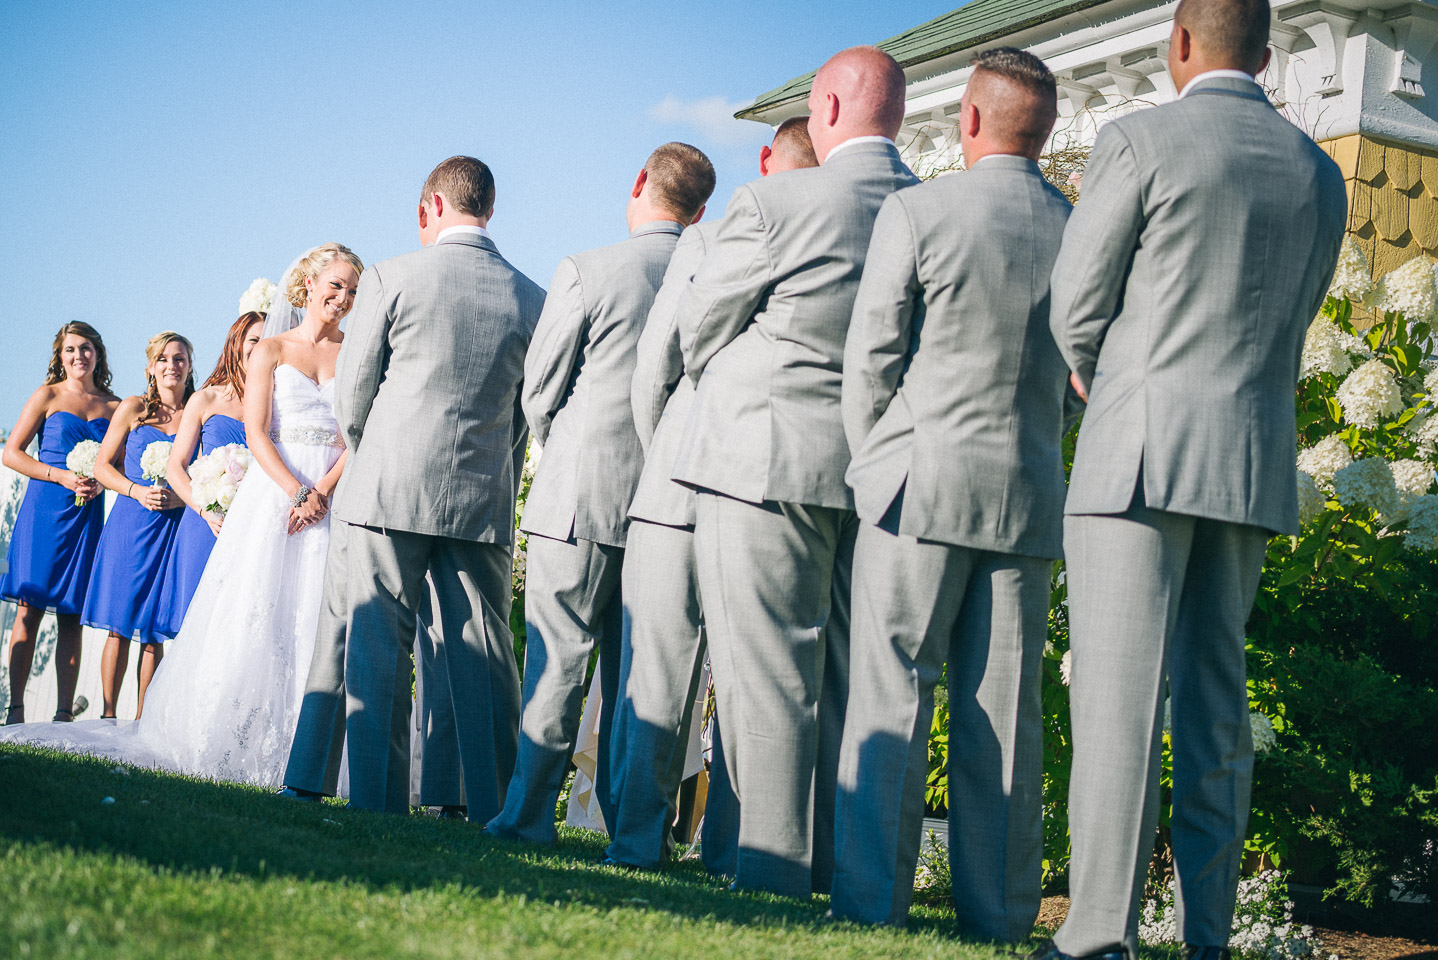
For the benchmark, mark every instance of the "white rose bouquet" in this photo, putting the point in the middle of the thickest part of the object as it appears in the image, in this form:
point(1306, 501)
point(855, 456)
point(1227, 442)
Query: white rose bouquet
point(154, 461)
point(258, 298)
point(215, 477)
point(81, 462)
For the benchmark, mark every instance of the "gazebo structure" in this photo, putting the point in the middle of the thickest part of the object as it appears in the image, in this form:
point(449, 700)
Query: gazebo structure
point(1350, 74)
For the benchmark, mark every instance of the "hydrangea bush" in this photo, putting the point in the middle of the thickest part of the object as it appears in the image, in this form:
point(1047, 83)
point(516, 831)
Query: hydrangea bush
point(1263, 923)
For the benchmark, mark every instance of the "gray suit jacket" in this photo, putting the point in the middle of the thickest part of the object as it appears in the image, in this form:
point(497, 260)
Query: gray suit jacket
point(661, 395)
point(1200, 251)
point(762, 326)
point(577, 381)
point(953, 386)
point(427, 392)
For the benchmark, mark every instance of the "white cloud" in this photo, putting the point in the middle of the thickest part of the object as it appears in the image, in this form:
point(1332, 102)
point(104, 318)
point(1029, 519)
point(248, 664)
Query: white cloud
point(713, 117)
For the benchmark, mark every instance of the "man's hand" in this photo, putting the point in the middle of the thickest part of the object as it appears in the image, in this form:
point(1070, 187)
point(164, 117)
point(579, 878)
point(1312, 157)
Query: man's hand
point(1078, 387)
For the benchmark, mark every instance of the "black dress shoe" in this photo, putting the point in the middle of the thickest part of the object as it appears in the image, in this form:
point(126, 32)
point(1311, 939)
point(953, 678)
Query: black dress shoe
point(448, 811)
point(1047, 951)
point(295, 793)
point(1190, 952)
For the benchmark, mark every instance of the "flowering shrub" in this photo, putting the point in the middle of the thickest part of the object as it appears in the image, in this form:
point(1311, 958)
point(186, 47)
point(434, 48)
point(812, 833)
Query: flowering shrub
point(1262, 920)
point(532, 454)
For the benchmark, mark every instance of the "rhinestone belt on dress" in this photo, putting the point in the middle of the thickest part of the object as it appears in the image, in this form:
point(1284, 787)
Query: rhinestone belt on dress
point(308, 436)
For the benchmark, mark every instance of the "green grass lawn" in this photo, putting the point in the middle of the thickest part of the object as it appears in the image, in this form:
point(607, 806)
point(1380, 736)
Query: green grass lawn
point(177, 867)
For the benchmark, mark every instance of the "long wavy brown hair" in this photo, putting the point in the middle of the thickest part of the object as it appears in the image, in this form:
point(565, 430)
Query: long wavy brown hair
point(230, 369)
point(56, 372)
point(153, 349)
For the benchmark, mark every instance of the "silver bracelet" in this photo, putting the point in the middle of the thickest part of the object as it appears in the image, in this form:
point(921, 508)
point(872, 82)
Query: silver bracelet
point(301, 495)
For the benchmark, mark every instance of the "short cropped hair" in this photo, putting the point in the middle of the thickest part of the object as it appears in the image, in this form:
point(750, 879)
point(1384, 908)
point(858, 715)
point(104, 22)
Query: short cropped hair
point(1025, 121)
point(681, 177)
point(465, 182)
point(791, 138)
point(1235, 31)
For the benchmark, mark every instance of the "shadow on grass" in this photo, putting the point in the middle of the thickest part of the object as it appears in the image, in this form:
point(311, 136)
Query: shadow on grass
point(205, 828)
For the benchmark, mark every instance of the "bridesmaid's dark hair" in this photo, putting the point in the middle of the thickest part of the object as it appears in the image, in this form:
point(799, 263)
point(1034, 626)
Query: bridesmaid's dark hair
point(56, 373)
point(153, 349)
point(230, 369)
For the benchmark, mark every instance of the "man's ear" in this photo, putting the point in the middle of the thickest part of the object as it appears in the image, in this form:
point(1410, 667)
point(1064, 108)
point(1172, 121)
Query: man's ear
point(1184, 41)
point(639, 183)
point(423, 217)
point(764, 154)
point(969, 119)
point(1263, 64)
point(439, 204)
point(831, 108)
point(695, 219)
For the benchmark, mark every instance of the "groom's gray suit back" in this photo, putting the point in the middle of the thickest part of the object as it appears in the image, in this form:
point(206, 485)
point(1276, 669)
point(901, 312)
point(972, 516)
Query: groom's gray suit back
point(427, 399)
point(762, 329)
point(1200, 251)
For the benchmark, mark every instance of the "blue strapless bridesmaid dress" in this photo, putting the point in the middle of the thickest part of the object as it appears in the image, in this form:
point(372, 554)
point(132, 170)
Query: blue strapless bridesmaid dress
point(52, 547)
point(124, 596)
point(194, 541)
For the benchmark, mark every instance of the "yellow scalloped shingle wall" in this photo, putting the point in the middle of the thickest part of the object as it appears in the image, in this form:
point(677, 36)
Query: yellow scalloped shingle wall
point(1392, 198)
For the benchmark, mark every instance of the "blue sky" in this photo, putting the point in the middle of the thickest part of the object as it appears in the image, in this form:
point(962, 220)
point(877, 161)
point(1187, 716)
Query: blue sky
point(155, 158)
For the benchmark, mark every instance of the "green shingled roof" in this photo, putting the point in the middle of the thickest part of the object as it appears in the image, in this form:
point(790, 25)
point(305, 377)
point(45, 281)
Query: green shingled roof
point(972, 24)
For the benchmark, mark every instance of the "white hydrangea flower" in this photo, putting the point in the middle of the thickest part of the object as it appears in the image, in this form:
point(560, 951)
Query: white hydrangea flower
point(1325, 458)
point(1412, 477)
point(1423, 429)
point(1322, 351)
point(1367, 483)
point(1351, 279)
point(1430, 384)
point(1409, 290)
point(1066, 667)
point(1264, 739)
point(1353, 344)
point(1422, 518)
point(1370, 393)
point(1312, 501)
point(259, 296)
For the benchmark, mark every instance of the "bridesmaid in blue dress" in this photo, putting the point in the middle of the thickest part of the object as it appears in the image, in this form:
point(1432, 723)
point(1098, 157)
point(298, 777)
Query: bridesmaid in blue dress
point(53, 544)
point(213, 417)
point(130, 561)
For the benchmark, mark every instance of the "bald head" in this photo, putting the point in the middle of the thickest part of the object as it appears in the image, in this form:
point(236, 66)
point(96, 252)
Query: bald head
point(791, 150)
point(859, 92)
point(1218, 35)
point(1009, 106)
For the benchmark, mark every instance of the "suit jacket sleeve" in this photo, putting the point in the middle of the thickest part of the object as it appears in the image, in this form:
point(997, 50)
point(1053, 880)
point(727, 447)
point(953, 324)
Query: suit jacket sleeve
point(363, 358)
point(659, 364)
point(555, 349)
point(720, 300)
point(1097, 252)
point(877, 349)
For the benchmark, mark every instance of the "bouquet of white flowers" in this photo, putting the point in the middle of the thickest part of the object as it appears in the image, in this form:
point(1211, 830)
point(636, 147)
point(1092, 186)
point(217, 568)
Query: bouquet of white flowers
point(153, 462)
point(216, 476)
point(258, 298)
point(81, 462)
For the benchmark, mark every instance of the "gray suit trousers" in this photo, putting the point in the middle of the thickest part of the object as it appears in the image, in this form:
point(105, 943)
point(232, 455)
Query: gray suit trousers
point(719, 832)
point(436, 777)
point(471, 583)
point(918, 605)
point(572, 603)
point(774, 581)
point(661, 663)
point(318, 745)
point(1157, 604)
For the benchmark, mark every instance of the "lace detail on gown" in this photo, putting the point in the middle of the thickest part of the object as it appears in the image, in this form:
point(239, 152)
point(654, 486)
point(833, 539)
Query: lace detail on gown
point(225, 699)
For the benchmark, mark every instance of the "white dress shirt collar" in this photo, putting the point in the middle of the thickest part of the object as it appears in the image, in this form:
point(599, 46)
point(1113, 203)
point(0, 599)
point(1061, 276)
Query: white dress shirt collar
point(855, 141)
point(463, 230)
point(1215, 75)
point(990, 156)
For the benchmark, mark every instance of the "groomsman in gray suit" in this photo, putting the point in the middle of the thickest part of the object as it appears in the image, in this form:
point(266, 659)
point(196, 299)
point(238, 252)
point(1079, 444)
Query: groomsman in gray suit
point(663, 649)
point(1201, 249)
point(428, 401)
point(762, 327)
point(576, 398)
point(953, 404)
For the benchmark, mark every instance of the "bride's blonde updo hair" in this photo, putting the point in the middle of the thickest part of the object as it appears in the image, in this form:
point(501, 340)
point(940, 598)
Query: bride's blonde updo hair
point(310, 266)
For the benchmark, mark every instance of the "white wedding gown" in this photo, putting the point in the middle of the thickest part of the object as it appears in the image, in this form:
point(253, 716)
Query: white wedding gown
point(225, 699)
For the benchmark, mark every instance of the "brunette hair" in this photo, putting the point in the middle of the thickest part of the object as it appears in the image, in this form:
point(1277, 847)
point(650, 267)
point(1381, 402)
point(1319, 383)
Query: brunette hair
point(230, 368)
point(56, 371)
point(310, 266)
point(153, 349)
point(681, 177)
point(467, 183)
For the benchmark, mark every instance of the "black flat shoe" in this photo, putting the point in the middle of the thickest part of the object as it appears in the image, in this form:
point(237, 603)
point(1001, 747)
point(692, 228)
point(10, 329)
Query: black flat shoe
point(11, 714)
point(63, 716)
point(1047, 951)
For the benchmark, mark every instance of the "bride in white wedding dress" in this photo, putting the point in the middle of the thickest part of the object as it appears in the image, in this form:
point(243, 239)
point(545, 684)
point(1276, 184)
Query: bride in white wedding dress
point(224, 702)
